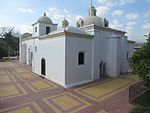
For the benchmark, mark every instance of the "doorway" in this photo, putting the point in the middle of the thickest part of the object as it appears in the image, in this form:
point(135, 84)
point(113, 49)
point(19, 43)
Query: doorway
point(102, 69)
point(43, 66)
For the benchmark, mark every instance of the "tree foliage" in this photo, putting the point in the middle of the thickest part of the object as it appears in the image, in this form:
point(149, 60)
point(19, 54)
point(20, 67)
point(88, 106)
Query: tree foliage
point(9, 42)
point(3, 49)
point(141, 110)
point(140, 61)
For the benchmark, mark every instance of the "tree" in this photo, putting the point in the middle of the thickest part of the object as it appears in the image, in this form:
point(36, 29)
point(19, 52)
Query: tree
point(9, 43)
point(140, 61)
point(3, 49)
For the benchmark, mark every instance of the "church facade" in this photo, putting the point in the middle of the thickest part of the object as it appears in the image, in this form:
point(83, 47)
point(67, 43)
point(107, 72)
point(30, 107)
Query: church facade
point(71, 56)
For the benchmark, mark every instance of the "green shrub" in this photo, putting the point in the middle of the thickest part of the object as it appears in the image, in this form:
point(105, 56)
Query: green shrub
point(140, 110)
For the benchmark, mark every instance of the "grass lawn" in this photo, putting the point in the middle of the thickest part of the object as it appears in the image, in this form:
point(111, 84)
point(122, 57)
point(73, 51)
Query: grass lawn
point(144, 99)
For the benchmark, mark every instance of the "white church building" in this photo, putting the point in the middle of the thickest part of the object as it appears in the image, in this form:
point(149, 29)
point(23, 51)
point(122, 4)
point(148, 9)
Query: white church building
point(71, 56)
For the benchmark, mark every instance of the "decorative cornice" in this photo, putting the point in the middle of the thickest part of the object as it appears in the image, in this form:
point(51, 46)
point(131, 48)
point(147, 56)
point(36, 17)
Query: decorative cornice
point(67, 34)
point(77, 35)
point(109, 29)
point(101, 28)
point(52, 35)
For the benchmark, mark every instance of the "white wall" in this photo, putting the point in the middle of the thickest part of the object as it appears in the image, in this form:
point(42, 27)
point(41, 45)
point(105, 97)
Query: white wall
point(100, 50)
point(29, 49)
point(113, 57)
point(41, 29)
point(78, 74)
point(22, 51)
point(53, 51)
point(124, 61)
point(35, 34)
point(35, 53)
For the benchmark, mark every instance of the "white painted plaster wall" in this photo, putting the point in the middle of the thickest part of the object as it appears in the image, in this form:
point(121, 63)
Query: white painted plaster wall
point(77, 74)
point(113, 57)
point(29, 49)
point(53, 51)
point(41, 29)
point(22, 53)
point(101, 45)
point(124, 66)
point(35, 34)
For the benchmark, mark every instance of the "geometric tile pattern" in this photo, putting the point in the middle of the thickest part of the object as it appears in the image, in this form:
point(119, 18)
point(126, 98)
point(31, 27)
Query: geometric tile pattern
point(11, 64)
point(22, 110)
point(2, 72)
point(21, 70)
point(6, 79)
point(27, 76)
point(100, 91)
point(40, 85)
point(66, 102)
point(13, 90)
point(22, 91)
point(27, 108)
point(102, 111)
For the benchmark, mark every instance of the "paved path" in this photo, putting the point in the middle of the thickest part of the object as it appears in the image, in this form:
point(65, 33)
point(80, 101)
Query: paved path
point(22, 91)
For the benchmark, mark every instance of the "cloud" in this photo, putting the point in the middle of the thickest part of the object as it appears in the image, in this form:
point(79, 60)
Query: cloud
point(146, 26)
point(57, 15)
point(104, 1)
point(132, 23)
point(147, 14)
point(115, 24)
point(132, 35)
point(132, 16)
point(129, 26)
point(20, 28)
point(28, 10)
point(107, 2)
point(103, 10)
point(138, 37)
point(125, 2)
point(117, 12)
point(146, 20)
point(148, 0)
point(115, 2)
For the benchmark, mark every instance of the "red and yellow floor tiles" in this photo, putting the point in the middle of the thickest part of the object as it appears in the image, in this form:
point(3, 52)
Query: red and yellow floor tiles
point(22, 91)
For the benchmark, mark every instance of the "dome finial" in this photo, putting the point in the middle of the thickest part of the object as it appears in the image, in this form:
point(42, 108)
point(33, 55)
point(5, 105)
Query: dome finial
point(91, 3)
point(92, 10)
point(65, 23)
point(44, 14)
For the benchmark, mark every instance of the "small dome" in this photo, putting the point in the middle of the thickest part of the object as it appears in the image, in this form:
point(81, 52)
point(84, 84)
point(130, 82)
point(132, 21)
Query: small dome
point(93, 20)
point(65, 23)
point(45, 19)
point(26, 35)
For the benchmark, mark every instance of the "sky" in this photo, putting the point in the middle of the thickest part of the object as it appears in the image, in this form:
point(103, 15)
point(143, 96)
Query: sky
point(132, 16)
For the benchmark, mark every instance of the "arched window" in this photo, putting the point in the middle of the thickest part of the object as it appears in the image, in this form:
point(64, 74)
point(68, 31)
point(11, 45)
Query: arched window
point(43, 66)
point(81, 58)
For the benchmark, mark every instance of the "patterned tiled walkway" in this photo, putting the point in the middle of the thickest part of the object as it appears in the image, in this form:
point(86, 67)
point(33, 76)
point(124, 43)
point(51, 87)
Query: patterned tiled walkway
point(22, 91)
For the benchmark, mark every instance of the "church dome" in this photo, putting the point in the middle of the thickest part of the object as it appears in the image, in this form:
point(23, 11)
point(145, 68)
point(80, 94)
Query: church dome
point(45, 19)
point(93, 20)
